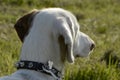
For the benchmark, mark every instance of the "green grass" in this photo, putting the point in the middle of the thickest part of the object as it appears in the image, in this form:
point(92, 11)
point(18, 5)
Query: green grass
point(99, 18)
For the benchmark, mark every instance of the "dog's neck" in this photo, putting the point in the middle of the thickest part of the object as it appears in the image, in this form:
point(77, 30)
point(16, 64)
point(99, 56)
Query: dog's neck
point(42, 51)
point(57, 63)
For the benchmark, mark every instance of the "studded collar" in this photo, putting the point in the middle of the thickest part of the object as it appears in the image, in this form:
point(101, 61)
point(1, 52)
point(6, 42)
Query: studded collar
point(40, 67)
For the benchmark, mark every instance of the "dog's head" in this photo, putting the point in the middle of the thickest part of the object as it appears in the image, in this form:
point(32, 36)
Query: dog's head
point(73, 43)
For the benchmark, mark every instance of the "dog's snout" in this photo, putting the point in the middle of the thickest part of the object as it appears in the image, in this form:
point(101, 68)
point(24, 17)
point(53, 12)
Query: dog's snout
point(92, 46)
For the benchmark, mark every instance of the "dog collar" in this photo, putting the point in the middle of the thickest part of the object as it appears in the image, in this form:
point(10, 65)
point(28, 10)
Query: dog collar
point(40, 67)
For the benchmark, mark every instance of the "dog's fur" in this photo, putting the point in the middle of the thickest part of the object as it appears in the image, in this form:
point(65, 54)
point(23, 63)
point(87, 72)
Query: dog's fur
point(49, 34)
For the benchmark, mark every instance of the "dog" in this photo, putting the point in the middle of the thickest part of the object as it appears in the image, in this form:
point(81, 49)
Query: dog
point(50, 37)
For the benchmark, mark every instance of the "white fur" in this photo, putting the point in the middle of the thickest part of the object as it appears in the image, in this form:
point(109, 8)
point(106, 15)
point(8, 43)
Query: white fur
point(41, 44)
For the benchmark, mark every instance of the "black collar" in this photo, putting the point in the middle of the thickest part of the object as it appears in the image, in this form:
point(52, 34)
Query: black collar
point(45, 68)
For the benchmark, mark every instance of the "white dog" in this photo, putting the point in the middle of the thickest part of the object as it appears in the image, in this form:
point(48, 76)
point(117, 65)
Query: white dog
point(50, 38)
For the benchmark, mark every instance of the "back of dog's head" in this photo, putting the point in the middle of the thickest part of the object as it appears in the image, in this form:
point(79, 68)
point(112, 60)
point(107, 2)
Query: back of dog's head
point(23, 24)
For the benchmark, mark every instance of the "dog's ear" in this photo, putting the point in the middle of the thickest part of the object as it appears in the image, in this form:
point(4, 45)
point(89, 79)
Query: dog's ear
point(64, 31)
point(22, 26)
point(63, 48)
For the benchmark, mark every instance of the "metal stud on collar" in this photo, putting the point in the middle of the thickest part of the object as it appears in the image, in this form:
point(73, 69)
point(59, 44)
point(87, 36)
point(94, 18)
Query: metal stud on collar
point(21, 64)
point(30, 65)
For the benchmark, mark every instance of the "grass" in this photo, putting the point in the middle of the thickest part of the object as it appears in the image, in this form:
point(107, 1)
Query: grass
point(99, 18)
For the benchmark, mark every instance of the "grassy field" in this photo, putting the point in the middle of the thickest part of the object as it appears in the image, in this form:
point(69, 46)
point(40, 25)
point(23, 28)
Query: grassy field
point(98, 18)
